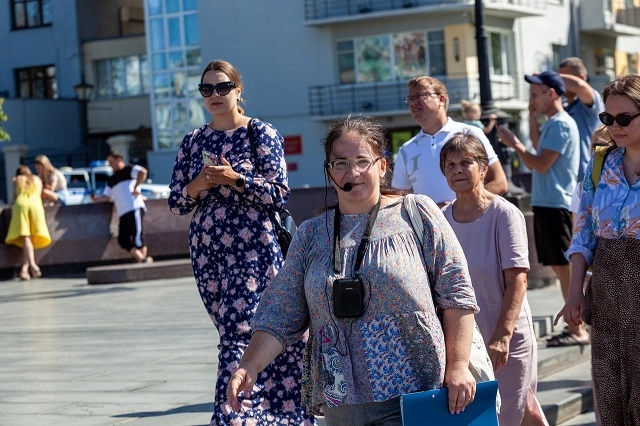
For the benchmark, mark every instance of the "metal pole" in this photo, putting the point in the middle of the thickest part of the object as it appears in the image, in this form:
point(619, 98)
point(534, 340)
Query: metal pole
point(486, 98)
point(85, 122)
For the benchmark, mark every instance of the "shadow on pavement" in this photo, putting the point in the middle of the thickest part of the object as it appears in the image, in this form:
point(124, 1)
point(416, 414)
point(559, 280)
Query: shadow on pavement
point(62, 294)
point(194, 408)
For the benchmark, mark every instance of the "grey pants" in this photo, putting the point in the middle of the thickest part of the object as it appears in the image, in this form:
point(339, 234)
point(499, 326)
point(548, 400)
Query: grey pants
point(385, 413)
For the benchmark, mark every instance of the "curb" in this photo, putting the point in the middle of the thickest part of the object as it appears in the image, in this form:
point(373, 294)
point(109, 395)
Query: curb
point(130, 272)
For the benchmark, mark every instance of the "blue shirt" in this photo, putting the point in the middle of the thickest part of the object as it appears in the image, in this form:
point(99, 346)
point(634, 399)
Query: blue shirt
point(554, 187)
point(586, 117)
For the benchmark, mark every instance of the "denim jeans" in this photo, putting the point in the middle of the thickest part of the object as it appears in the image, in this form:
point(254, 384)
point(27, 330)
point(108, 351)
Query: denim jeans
point(386, 413)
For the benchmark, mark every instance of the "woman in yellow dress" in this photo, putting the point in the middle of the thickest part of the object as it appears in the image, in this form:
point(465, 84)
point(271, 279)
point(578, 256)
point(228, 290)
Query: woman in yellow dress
point(28, 227)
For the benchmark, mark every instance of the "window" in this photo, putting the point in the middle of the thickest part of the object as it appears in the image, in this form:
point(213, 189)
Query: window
point(409, 54)
point(120, 77)
point(38, 82)
point(346, 62)
point(499, 45)
point(391, 57)
point(175, 62)
point(31, 13)
point(437, 59)
point(374, 59)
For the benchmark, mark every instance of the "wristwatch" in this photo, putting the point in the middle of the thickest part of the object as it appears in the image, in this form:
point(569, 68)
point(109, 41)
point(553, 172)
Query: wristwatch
point(240, 182)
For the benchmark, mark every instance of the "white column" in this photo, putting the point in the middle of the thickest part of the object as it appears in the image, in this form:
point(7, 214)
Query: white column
point(121, 143)
point(12, 156)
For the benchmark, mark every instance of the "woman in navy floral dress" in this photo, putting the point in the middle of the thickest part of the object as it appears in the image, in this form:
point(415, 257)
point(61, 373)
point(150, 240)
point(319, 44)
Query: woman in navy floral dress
point(234, 252)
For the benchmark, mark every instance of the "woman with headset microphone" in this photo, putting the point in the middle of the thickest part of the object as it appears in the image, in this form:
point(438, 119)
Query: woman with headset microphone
point(355, 278)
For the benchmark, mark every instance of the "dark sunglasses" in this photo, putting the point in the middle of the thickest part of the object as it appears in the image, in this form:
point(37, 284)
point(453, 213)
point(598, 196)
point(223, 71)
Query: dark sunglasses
point(622, 119)
point(222, 89)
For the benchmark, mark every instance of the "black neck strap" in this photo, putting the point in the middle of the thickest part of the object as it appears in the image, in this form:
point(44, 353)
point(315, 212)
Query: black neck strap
point(364, 243)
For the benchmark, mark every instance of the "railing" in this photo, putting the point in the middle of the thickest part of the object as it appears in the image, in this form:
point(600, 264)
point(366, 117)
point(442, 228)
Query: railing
point(388, 97)
point(597, 17)
point(629, 17)
point(324, 9)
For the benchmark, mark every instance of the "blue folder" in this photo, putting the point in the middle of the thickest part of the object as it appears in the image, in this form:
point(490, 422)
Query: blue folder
point(432, 408)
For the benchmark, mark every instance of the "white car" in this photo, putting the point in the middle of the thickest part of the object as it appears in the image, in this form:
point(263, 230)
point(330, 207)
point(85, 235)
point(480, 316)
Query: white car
point(82, 182)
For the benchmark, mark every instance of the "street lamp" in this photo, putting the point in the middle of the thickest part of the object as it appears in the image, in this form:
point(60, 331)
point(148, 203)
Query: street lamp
point(83, 94)
point(486, 98)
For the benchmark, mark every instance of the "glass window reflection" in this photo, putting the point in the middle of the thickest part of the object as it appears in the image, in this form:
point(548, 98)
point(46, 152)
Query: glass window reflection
point(159, 61)
point(154, 7)
point(175, 35)
point(157, 34)
point(191, 30)
point(194, 57)
point(173, 6)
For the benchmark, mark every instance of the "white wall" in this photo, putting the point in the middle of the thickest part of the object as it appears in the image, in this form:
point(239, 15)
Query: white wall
point(536, 35)
point(279, 58)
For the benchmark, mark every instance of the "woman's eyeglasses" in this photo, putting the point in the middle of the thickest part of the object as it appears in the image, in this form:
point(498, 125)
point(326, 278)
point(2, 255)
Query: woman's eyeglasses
point(622, 119)
point(418, 96)
point(222, 89)
point(361, 164)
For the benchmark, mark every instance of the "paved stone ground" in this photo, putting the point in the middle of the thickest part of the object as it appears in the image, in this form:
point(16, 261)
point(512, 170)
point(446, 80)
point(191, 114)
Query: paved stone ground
point(142, 353)
point(72, 354)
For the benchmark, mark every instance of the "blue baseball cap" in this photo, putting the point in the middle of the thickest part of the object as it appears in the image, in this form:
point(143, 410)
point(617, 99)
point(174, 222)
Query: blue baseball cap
point(550, 79)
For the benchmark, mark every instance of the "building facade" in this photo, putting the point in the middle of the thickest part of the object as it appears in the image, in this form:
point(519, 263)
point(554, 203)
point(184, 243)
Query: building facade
point(304, 63)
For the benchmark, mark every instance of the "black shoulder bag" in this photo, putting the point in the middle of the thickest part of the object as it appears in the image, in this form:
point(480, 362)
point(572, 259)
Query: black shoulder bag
point(283, 224)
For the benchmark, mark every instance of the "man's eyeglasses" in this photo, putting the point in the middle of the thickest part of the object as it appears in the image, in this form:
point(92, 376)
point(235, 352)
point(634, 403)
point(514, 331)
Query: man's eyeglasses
point(222, 89)
point(417, 96)
point(361, 164)
point(622, 119)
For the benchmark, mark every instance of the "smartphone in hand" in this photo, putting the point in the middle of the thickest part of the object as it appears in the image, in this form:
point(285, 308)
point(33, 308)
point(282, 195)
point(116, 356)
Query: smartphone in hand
point(209, 158)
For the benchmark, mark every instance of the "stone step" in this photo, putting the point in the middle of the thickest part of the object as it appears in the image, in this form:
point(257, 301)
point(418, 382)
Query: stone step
point(552, 360)
point(542, 325)
point(130, 272)
point(567, 393)
point(587, 418)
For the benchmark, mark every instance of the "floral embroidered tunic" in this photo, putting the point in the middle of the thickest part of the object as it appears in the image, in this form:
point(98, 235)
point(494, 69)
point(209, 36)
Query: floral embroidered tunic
point(397, 346)
point(234, 255)
point(612, 211)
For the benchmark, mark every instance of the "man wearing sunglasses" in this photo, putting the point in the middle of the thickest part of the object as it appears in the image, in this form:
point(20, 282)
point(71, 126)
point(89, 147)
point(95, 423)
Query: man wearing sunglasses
point(417, 165)
point(583, 103)
point(554, 172)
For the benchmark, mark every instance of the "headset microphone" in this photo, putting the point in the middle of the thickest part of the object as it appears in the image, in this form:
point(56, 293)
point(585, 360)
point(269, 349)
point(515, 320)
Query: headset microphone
point(346, 187)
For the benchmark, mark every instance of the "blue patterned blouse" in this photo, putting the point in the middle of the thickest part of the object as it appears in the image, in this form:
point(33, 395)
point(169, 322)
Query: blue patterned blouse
point(612, 211)
point(397, 346)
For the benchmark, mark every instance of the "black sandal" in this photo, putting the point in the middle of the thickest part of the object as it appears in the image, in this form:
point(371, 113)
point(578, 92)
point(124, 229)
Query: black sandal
point(564, 339)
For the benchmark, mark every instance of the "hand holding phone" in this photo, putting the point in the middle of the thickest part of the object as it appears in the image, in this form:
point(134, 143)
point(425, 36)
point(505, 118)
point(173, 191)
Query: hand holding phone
point(209, 158)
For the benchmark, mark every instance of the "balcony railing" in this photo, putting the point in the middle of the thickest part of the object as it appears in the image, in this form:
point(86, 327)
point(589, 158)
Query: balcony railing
point(596, 17)
point(388, 97)
point(630, 17)
point(327, 9)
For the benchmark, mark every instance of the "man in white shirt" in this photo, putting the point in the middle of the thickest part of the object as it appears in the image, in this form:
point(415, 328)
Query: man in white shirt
point(123, 188)
point(417, 165)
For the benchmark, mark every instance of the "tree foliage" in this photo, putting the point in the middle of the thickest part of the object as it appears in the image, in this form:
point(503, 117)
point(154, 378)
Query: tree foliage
point(4, 136)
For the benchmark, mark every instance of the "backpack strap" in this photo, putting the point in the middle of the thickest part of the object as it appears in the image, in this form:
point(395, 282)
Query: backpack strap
point(418, 228)
point(252, 142)
point(414, 216)
point(276, 217)
point(601, 153)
